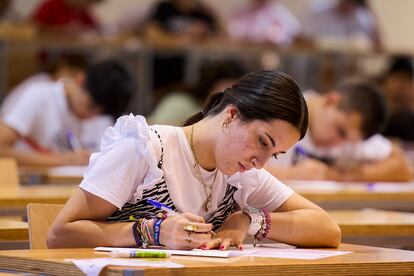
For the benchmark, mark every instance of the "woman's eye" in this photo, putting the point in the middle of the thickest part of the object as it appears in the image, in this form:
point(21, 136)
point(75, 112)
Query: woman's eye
point(262, 142)
point(274, 156)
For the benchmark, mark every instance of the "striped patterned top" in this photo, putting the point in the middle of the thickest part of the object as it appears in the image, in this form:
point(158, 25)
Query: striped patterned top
point(159, 192)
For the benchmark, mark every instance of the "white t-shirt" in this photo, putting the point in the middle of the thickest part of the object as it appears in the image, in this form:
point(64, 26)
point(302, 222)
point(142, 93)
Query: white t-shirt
point(13, 96)
point(127, 164)
point(40, 113)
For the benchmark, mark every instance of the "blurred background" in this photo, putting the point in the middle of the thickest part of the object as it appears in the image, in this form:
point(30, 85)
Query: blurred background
point(179, 51)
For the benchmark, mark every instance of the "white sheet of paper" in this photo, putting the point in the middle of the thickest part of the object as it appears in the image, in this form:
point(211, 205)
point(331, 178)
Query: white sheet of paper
point(269, 251)
point(92, 267)
point(194, 252)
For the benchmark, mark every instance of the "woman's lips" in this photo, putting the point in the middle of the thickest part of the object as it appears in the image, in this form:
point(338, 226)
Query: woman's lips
point(242, 168)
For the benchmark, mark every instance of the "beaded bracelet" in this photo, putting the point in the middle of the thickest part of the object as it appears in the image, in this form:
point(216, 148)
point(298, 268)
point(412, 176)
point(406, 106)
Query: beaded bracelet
point(145, 232)
point(266, 223)
point(157, 228)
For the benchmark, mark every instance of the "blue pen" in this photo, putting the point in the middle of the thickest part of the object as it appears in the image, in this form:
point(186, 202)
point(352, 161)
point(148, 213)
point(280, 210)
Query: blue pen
point(73, 140)
point(163, 207)
point(171, 212)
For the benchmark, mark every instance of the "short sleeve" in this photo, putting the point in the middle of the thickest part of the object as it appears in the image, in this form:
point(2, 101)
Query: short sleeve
point(25, 112)
point(125, 165)
point(260, 189)
point(375, 148)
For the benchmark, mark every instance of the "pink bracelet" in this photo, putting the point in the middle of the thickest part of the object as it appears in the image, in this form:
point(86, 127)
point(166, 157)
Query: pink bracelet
point(264, 230)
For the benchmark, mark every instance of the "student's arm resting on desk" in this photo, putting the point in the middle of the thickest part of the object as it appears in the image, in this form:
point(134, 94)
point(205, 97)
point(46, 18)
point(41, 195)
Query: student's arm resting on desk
point(109, 183)
point(8, 138)
point(394, 168)
point(81, 223)
point(298, 222)
point(308, 169)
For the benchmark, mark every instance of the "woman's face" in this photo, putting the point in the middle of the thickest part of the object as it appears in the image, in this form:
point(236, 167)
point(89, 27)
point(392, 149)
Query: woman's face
point(242, 146)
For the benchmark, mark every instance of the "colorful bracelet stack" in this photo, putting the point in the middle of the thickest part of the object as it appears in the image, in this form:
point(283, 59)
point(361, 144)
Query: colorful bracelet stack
point(146, 231)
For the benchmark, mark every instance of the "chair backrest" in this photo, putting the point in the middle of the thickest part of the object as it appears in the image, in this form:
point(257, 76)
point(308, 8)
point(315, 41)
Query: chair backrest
point(9, 176)
point(40, 218)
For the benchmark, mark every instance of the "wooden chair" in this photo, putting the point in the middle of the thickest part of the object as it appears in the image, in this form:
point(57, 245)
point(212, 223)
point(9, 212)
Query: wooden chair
point(40, 218)
point(9, 175)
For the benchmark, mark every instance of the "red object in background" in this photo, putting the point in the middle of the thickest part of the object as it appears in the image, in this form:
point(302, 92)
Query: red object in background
point(57, 13)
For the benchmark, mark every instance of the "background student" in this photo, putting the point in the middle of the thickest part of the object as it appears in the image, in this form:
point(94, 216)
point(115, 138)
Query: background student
point(44, 125)
point(342, 139)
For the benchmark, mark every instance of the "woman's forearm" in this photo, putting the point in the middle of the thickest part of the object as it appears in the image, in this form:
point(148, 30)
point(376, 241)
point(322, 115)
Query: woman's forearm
point(305, 227)
point(85, 233)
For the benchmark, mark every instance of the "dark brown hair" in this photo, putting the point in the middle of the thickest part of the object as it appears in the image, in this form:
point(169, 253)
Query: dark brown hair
point(261, 95)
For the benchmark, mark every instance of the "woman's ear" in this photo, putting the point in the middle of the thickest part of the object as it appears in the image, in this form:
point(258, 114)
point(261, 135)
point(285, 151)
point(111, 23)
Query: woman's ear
point(233, 113)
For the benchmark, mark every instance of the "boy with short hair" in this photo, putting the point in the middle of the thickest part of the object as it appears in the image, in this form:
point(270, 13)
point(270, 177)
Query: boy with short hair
point(342, 143)
point(48, 116)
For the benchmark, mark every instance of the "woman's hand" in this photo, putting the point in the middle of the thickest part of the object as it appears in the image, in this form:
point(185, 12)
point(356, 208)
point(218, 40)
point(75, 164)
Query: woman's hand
point(173, 233)
point(232, 233)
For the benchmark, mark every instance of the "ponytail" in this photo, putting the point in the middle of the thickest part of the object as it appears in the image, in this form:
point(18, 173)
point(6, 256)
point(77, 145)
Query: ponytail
point(194, 119)
point(212, 101)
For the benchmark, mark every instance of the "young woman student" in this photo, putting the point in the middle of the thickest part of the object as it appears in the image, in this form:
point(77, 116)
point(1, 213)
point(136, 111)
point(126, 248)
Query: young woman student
point(210, 171)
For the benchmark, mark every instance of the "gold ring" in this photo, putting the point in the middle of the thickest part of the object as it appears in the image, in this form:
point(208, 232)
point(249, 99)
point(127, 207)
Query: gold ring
point(190, 227)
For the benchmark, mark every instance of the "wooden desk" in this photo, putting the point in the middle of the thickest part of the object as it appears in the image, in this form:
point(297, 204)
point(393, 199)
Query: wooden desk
point(339, 196)
point(11, 230)
point(378, 261)
point(14, 234)
point(376, 227)
point(13, 201)
point(55, 175)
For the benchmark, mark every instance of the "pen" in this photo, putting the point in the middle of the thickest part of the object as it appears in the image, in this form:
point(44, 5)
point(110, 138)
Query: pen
point(301, 153)
point(163, 207)
point(73, 140)
point(139, 254)
point(171, 212)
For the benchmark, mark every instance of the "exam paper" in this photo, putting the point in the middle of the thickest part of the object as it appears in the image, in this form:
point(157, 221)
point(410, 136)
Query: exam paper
point(92, 267)
point(269, 251)
point(194, 252)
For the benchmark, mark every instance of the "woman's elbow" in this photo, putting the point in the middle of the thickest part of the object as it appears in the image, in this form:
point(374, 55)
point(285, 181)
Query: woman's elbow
point(53, 238)
point(334, 236)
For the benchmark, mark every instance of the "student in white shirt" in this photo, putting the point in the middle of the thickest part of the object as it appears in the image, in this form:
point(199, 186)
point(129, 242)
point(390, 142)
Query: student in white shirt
point(210, 170)
point(342, 142)
point(264, 21)
point(45, 124)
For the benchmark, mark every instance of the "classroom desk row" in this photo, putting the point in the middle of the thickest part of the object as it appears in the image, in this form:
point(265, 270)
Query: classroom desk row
point(13, 200)
point(328, 195)
point(362, 260)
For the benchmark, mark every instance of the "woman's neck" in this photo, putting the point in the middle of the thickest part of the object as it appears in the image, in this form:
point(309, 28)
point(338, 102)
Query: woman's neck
point(200, 136)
